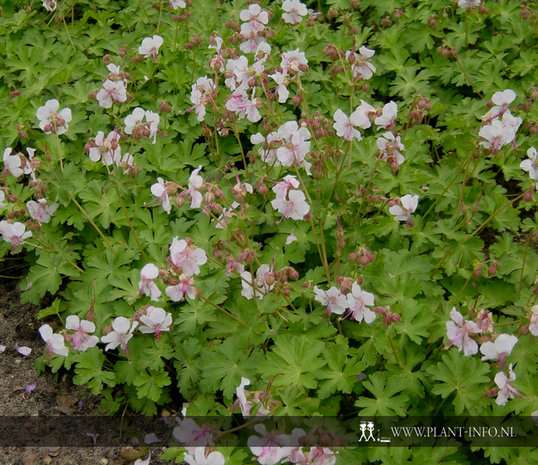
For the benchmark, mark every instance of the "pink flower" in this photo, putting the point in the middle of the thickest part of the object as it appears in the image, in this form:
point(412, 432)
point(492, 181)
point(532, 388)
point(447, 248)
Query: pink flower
point(146, 285)
point(159, 190)
point(240, 104)
point(282, 188)
point(345, 127)
point(496, 135)
point(359, 301)
point(55, 342)
point(268, 448)
point(80, 339)
point(500, 349)
point(294, 61)
point(294, 11)
point(187, 257)
point(156, 320)
point(185, 287)
point(294, 207)
point(506, 391)
point(291, 238)
point(50, 120)
point(408, 205)
point(2, 198)
point(469, 4)
point(333, 299)
point(459, 333)
point(255, 16)
point(112, 92)
point(150, 46)
point(14, 233)
point(40, 210)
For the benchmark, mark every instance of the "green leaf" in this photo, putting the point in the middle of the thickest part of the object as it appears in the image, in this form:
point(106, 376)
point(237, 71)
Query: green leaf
point(461, 376)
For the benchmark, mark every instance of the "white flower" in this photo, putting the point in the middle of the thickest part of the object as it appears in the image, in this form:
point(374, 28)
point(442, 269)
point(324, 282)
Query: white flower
point(469, 4)
point(80, 339)
point(134, 124)
point(388, 115)
point(281, 89)
point(55, 342)
point(361, 67)
point(533, 324)
point(498, 350)
point(200, 458)
point(159, 190)
point(2, 198)
point(40, 210)
point(202, 93)
point(345, 127)
point(14, 233)
point(409, 204)
point(333, 299)
point(195, 183)
point(146, 285)
point(112, 92)
point(506, 391)
point(52, 121)
point(50, 5)
point(24, 350)
point(391, 148)
point(143, 462)
point(175, 4)
point(187, 257)
point(359, 301)
point(150, 46)
point(294, 11)
point(18, 164)
point(106, 149)
point(245, 405)
point(257, 287)
point(156, 320)
point(121, 334)
point(530, 165)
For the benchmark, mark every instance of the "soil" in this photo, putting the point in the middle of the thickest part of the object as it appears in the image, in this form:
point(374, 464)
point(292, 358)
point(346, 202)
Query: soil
point(52, 396)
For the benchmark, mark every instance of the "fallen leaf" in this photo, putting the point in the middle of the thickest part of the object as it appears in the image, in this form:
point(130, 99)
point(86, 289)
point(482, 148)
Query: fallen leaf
point(65, 402)
point(29, 459)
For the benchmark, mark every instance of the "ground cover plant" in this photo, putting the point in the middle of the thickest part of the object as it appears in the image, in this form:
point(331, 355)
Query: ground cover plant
point(317, 208)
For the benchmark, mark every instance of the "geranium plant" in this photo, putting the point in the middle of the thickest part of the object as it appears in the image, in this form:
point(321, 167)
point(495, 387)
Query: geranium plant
point(332, 203)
